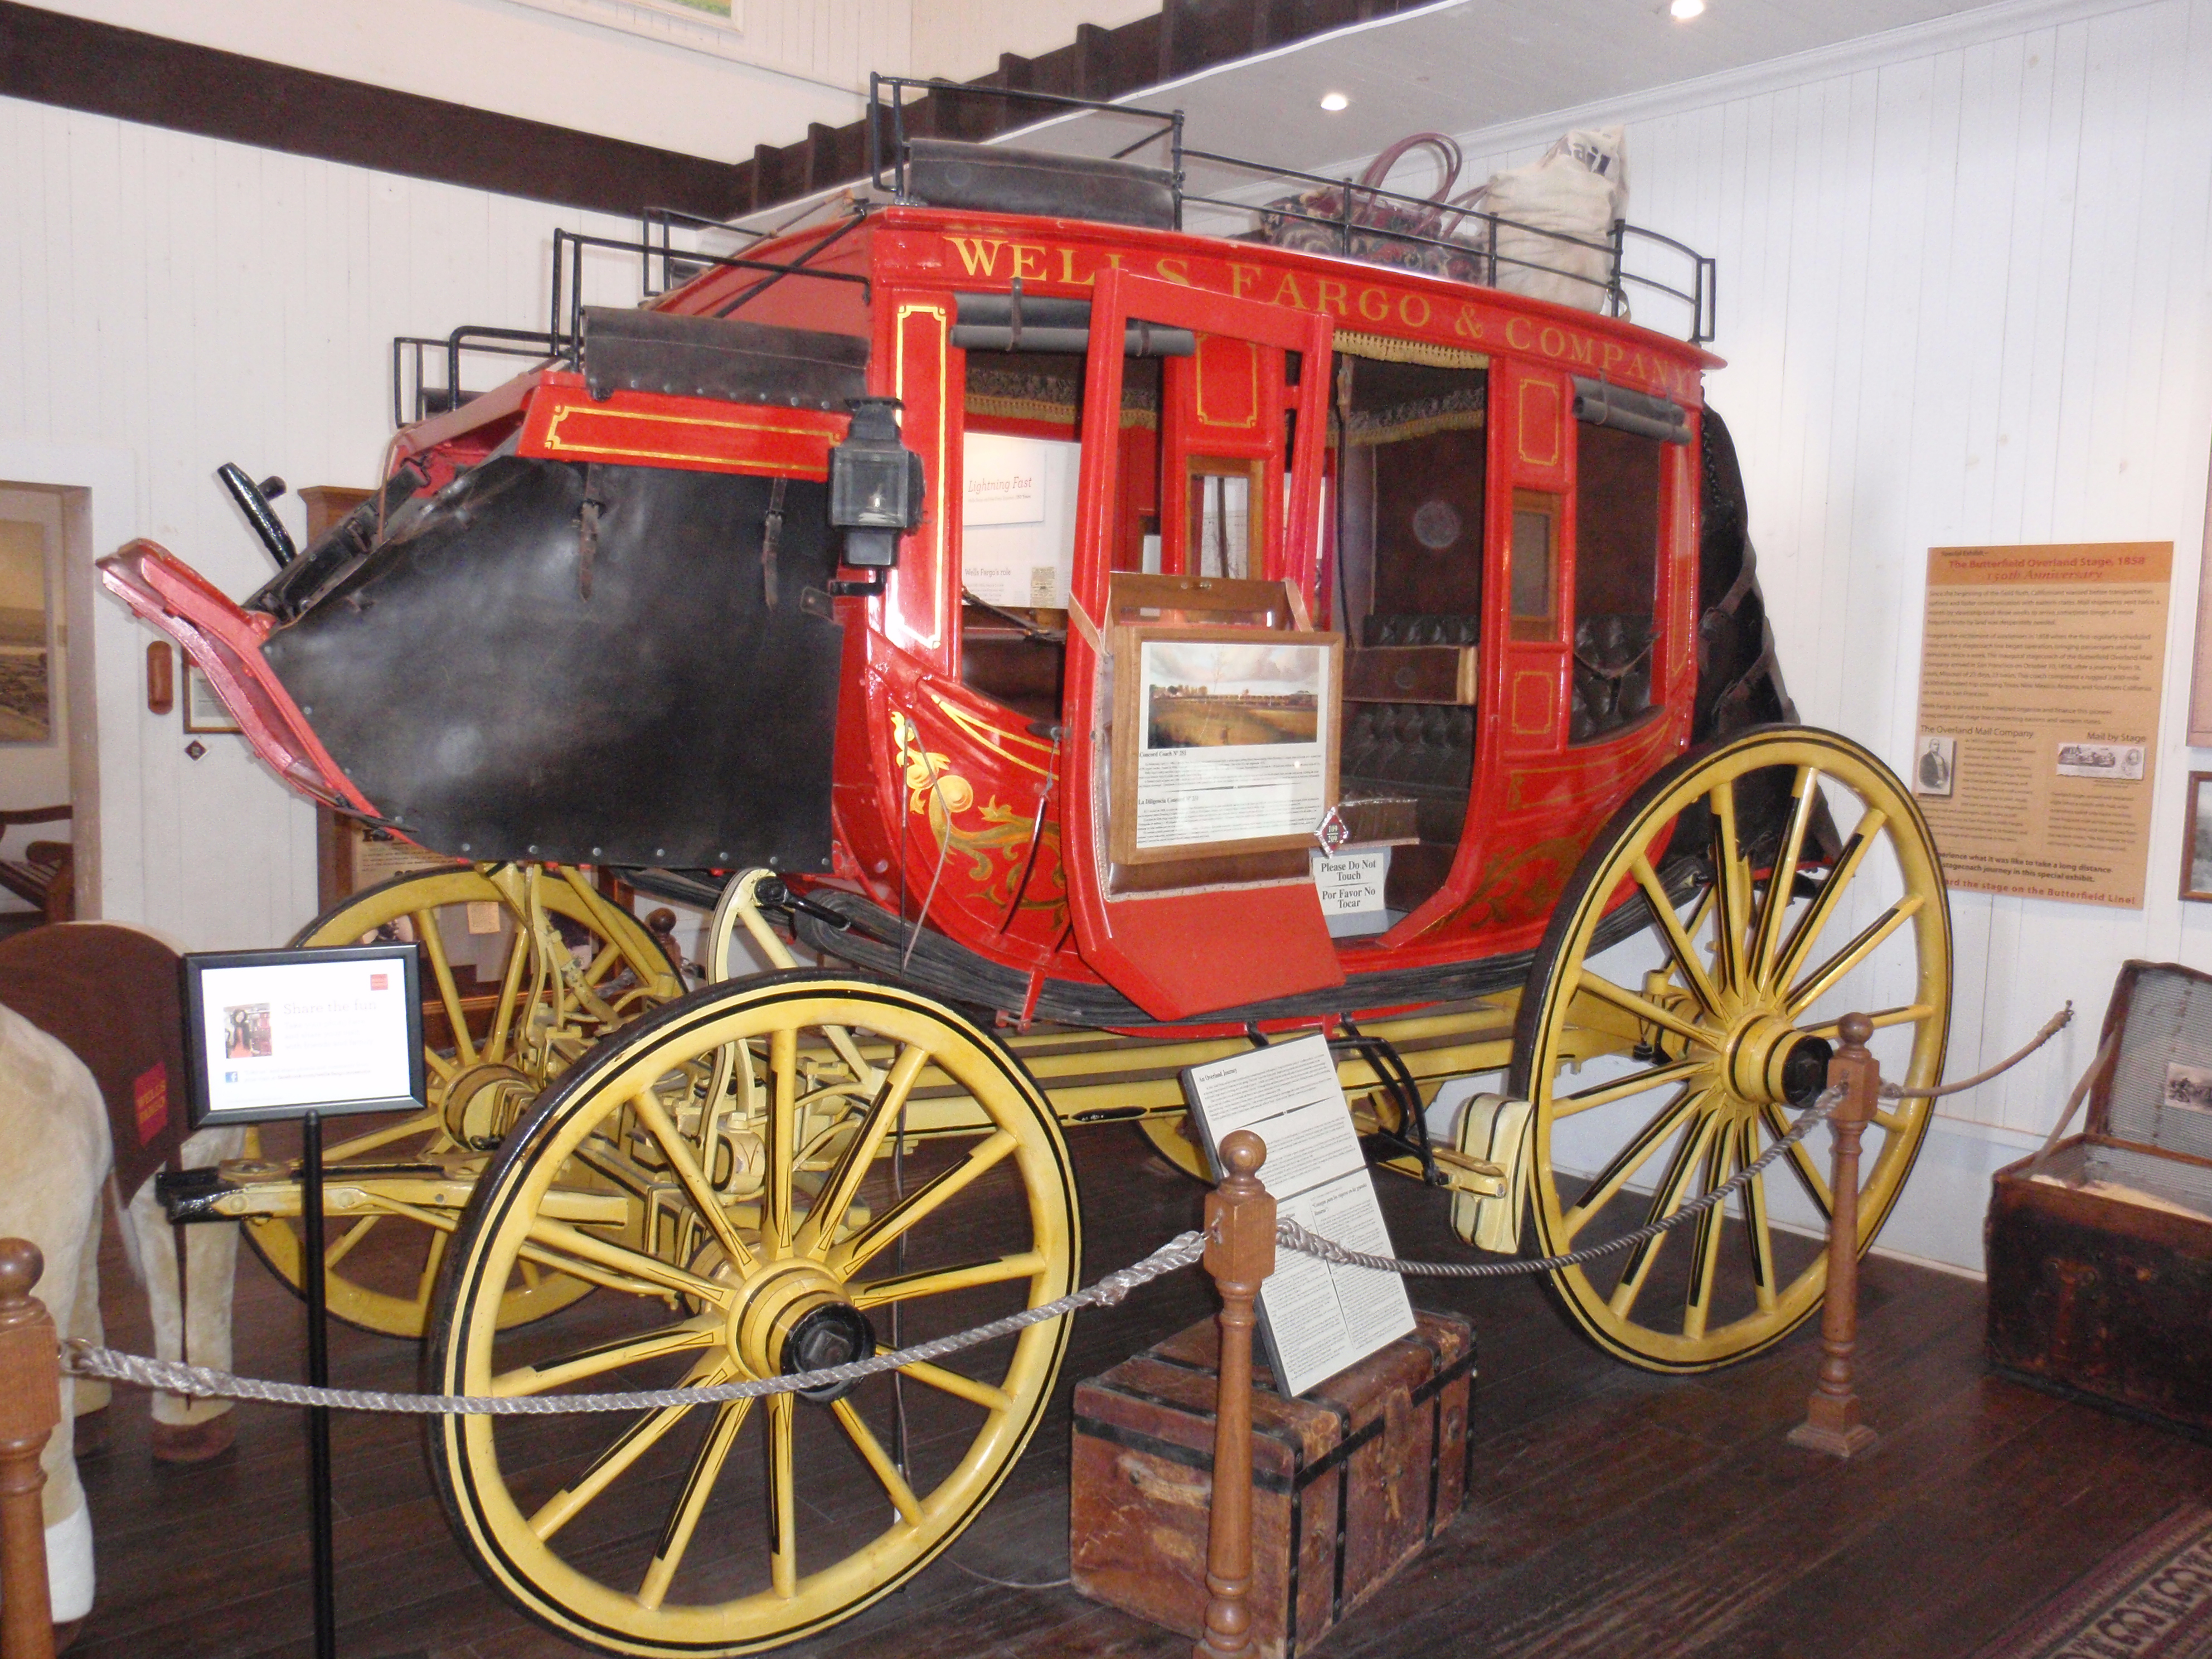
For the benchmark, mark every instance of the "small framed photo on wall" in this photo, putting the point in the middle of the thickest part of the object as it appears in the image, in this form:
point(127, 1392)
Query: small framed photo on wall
point(2196, 840)
point(203, 710)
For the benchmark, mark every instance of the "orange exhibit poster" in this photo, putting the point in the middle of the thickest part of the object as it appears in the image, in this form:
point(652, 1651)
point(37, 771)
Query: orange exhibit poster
point(2041, 669)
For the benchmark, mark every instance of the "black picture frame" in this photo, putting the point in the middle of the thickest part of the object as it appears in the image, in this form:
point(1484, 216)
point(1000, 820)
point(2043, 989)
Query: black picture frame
point(194, 969)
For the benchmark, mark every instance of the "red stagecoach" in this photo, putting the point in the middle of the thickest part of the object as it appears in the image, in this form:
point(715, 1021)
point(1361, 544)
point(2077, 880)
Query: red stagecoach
point(1102, 646)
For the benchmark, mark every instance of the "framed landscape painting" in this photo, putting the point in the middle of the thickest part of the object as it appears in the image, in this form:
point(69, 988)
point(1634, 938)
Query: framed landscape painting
point(27, 707)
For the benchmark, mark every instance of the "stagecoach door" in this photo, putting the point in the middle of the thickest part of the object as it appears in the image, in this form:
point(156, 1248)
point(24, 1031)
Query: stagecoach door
point(1240, 500)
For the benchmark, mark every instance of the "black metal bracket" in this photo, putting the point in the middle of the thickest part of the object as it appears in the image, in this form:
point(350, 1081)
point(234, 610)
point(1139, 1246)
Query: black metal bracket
point(1411, 1135)
point(776, 895)
point(865, 590)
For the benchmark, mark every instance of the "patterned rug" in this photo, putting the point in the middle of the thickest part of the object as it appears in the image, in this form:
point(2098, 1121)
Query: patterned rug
point(2152, 1600)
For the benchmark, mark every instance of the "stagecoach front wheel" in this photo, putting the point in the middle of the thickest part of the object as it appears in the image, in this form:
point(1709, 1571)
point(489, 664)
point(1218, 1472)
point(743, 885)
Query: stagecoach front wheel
point(1786, 878)
point(812, 1167)
point(381, 1267)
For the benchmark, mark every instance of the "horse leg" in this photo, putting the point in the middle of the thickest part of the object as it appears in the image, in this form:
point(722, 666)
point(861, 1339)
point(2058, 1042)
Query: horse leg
point(83, 1324)
point(192, 1321)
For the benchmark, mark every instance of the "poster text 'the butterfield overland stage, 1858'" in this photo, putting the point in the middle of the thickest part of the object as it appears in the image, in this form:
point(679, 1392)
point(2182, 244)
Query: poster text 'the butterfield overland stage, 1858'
point(2039, 677)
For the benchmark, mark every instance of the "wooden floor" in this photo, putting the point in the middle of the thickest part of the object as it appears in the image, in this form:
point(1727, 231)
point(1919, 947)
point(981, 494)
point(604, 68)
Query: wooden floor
point(1614, 1513)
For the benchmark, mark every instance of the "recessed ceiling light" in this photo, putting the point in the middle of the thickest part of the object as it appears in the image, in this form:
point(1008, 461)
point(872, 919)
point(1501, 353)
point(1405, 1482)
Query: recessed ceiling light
point(1684, 10)
point(1334, 102)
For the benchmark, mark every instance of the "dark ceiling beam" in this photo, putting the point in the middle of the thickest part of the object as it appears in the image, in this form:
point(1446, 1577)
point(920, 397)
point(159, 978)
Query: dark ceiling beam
point(49, 58)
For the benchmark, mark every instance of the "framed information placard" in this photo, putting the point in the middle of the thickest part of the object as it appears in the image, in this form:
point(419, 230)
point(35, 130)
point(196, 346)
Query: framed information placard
point(1316, 1318)
point(281, 1034)
point(1224, 740)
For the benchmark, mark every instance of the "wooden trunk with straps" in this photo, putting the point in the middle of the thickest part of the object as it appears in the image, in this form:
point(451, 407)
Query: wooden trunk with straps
point(1350, 1480)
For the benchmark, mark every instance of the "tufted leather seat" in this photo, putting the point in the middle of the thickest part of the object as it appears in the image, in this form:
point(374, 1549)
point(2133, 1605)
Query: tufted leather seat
point(1422, 630)
point(1613, 675)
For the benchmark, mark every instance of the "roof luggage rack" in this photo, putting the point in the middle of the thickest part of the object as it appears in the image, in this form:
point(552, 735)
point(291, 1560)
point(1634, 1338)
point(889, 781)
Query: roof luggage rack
point(1366, 222)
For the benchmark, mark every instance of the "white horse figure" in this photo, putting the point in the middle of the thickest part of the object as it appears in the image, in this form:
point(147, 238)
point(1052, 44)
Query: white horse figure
point(60, 1136)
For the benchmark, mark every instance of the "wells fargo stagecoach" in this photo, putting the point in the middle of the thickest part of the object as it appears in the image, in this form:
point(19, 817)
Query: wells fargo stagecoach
point(1349, 547)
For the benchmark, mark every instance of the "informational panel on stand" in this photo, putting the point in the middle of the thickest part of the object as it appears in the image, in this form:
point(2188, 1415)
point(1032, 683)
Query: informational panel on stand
point(1316, 1318)
point(279, 1034)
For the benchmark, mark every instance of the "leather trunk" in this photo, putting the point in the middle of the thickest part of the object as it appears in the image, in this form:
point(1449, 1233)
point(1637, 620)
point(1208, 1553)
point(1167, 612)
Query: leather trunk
point(2100, 1250)
point(1350, 1481)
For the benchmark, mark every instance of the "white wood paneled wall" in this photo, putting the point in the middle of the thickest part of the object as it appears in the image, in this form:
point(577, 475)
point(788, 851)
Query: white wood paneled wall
point(1966, 298)
point(644, 73)
point(191, 301)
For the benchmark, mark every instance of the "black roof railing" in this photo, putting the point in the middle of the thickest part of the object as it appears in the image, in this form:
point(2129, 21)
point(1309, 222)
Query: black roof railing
point(1366, 222)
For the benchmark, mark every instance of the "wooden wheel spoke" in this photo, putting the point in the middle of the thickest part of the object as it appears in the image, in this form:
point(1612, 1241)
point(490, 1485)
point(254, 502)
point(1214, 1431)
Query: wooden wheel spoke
point(783, 1138)
point(1622, 1088)
point(678, 1151)
point(990, 1398)
point(1679, 943)
point(872, 1453)
point(510, 989)
point(434, 946)
point(1807, 933)
point(854, 1253)
point(691, 1500)
point(1830, 973)
point(551, 1240)
point(1666, 1198)
point(1644, 1009)
point(420, 1123)
point(353, 1236)
point(433, 1259)
point(938, 1281)
point(1758, 1231)
point(1801, 1161)
point(687, 1337)
point(1706, 1244)
point(1910, 1014)
point(1731, 888)
point(441, 1068)
point(644, 1433)
point(1630, 1158)
point(782, 1497)
point(1784, 877)
point(818, 1231)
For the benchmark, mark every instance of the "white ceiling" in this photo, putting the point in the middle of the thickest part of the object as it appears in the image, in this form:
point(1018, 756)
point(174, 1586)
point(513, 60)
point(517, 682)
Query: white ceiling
point(1469, 65)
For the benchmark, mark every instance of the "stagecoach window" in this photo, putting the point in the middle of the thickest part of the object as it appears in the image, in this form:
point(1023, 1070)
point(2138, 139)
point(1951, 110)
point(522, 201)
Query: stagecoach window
point(1617, 503)
point(1221, 527)
point(1535, 565)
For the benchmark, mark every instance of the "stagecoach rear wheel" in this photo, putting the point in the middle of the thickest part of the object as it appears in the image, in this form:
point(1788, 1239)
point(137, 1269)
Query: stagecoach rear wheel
point(1171, 1137)
point(1789, 879)
point(728, 1528)
point(382, 1268)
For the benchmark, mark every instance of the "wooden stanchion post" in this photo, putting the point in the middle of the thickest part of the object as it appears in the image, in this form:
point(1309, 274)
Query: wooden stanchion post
point(30, 1408)
point(1240, 1252)
point(1832, 1419)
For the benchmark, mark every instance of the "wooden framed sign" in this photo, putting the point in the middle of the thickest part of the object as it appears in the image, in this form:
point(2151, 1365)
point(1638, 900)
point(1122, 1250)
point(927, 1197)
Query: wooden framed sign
point(1224, 740)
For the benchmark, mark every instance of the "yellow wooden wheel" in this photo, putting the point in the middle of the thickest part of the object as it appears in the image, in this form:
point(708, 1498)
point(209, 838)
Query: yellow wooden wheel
point(382, 1268)
point(766, 1232)
point(1724, 1009)
point(1168, 1137)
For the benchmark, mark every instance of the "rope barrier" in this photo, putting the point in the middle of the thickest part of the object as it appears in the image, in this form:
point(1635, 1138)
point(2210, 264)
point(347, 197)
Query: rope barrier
point(2051, 1027)
point(1291, 1236)
point(84, 1359)
point(81, 1358)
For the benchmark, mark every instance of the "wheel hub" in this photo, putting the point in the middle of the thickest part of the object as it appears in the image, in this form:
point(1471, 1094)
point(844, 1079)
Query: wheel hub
point(483, 1102)
point(1771, 1063)
point(794, 1317)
